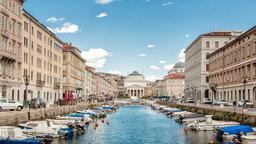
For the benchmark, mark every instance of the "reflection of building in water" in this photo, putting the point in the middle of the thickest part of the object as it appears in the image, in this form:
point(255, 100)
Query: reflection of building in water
point(135, 85)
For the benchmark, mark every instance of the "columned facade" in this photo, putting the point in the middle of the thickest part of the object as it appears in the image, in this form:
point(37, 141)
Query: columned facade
point(135, 85)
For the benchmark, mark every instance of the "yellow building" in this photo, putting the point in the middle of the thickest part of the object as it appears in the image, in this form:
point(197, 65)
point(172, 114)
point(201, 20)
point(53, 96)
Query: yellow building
point(73, 71)
point(41, 61)
point(10, 47)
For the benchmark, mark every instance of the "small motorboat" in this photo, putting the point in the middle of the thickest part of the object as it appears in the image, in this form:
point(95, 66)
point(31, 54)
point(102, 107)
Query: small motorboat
point(233, 134)
point(210, 125)
point(43, 128)
point(13, 135)
point(188, 118)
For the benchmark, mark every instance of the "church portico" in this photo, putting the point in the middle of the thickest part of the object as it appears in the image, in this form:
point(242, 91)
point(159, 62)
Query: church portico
point(135, 84)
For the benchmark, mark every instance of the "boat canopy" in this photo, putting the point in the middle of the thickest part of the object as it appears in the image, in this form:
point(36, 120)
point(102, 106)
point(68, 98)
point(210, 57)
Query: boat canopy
point(237, 129)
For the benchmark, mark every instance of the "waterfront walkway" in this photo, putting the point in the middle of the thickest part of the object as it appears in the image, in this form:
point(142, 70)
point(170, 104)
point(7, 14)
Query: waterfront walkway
point(15, 117)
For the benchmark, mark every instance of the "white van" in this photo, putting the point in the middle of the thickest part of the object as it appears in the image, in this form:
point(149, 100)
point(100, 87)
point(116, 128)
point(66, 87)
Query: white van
point(6, 104)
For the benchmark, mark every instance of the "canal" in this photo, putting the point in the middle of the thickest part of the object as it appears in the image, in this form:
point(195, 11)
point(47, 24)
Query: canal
point(139, 125)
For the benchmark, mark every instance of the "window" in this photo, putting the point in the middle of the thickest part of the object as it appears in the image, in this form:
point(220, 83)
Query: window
point(25, 58)
point(26, 26)
point(31, 75)
point(4, 43)
point(39, 49)
point(207, 44)
point(225, 43)
point(207, 67)
point(254, 47)
point(25, 42)
point(38, 76)
point(39, 63)
point(39, 35)
point(4, 21)
point(32, 60)
point(216, 44)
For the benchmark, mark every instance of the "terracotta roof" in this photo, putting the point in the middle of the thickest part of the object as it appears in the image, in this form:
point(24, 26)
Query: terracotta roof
point(174, 76)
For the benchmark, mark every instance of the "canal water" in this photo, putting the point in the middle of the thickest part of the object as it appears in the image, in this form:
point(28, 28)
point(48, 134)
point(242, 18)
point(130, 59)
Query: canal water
point(139, 125)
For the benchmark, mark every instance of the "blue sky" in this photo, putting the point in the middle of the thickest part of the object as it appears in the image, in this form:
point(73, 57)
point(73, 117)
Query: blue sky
point(127, 35)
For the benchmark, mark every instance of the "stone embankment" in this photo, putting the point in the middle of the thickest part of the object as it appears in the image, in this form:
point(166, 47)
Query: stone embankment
point(15, 117)
point(218, 113)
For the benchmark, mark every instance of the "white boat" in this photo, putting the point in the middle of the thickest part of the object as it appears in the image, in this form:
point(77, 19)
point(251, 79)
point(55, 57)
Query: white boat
point(42, 128)
point(210, 125)
point(249, 139)
point(61, 122)
point(176, 114)
point(12, 132)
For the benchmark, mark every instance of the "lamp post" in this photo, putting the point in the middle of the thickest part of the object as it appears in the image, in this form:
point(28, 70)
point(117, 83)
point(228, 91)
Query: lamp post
point(213, 87)
point(244, 81)
point(26, 81)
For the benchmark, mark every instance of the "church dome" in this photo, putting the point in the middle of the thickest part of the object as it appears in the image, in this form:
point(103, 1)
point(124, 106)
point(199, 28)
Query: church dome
point(135, 73)
point(179, 65)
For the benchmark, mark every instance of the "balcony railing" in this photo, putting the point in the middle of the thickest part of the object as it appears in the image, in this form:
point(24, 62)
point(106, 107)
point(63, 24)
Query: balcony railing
point(56, 85)
point(8, 55)
point(40, 83)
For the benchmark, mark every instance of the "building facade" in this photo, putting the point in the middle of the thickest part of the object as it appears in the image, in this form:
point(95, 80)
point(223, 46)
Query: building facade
point(73, 71)
point(158, 88)
point(41, 62)
point(174, 81)
point(232, 69)
point(90, 81)
point(10, 48)
point(135, 85)
point(196, 64)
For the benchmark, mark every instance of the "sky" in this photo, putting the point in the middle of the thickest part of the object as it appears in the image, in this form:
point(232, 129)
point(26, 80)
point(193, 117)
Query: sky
point(149, 36)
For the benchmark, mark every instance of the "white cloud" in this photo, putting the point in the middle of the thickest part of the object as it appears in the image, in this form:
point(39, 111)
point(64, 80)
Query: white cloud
point(101, 15)
point(103, 1)
point(95, 57)
point(168, 67)
point(152, 78)
point(141, 55)
point(187, 35)
point(54, 19)
point(181, 55)
point(167, 3)
point(154, 67)
point(162, 61)
point(151, 45)
point(66, 28)
point(115, 72)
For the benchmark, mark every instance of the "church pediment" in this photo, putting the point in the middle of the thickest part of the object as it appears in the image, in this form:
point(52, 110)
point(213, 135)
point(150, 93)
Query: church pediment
point(135, 86)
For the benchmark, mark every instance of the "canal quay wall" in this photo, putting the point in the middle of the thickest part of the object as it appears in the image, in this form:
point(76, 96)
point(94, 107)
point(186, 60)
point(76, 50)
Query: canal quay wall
point(16, 117)
point(218, 113)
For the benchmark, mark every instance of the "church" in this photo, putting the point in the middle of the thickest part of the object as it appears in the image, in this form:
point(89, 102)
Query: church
point(135, 85)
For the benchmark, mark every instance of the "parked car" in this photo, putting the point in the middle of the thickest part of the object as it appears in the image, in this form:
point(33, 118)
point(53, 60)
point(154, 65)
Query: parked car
point(207, 101)
point(220, 102)
point(245, 103)
point(6, 104)
point(37, 103)
point(229, 103)
point(190, 100)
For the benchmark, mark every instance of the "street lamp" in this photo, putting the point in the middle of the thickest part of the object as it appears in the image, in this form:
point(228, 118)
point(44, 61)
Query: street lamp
point(244, 81)
point(26, 79)
point(213, 87)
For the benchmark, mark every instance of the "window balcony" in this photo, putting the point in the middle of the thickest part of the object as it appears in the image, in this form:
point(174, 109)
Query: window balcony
point(40, 83)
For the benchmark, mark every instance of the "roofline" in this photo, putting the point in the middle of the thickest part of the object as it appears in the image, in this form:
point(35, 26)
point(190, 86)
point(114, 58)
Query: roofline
point(233, 41)
point(28, 15)
point(72, 50)
point(204, 35)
